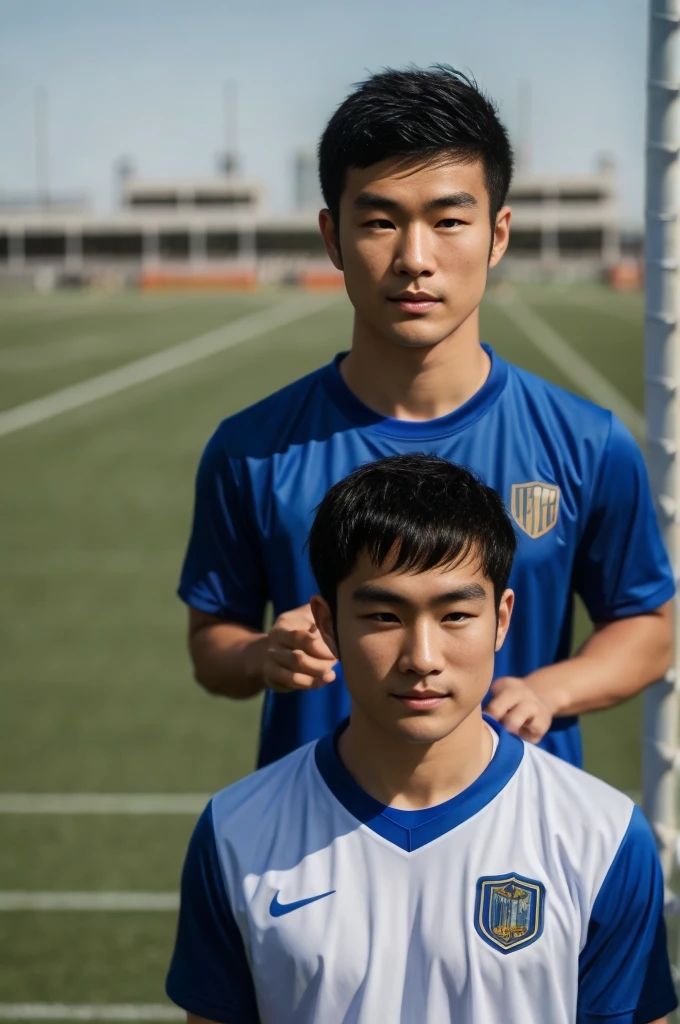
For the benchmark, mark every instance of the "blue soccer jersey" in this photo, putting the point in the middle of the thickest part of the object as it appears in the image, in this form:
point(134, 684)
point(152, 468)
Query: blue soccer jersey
point(534, 896)
point(571, 474)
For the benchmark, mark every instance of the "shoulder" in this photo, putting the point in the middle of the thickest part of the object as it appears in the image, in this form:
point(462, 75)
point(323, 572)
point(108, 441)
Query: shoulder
point(588, 818)
point(576, 431)
point(237, 819)
point(579, 415)
point(285, 417)
point(245, 811)
point(565, 783)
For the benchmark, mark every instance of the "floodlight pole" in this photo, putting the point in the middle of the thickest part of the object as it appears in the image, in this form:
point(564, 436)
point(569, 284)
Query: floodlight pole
point(661, 757)
point(42, 147)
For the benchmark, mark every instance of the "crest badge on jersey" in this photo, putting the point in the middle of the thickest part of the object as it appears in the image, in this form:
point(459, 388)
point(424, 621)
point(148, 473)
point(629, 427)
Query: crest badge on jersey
point(509, 911)
point(535, 506)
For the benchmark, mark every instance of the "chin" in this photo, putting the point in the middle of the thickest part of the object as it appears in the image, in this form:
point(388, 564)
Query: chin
point(414, 341)
point(418, 335)
point(423, 729)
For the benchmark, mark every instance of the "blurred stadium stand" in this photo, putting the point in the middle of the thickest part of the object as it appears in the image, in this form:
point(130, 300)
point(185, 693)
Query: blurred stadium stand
point(209, 230)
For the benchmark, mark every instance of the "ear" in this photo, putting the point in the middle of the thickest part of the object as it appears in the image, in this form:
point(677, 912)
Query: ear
point(330, 238)
point(324, 622)
point(504, 616)
point(501, 235)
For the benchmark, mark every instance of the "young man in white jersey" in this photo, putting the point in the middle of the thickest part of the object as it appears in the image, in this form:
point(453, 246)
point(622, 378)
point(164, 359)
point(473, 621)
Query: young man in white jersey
point(422, 865)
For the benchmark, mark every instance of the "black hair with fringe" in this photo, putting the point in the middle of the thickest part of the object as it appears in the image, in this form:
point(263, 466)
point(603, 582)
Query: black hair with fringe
point(420, 511)
point(415, 114)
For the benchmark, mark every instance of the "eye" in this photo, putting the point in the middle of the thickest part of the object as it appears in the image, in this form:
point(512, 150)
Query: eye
point(449, 222)
point(456, 617)
point(379, 223)
point(383, 617)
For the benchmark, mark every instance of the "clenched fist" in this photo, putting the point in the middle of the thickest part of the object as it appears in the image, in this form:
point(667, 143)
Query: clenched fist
point(296, 657)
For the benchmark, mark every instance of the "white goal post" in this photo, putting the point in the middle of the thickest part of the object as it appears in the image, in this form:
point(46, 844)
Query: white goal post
point(661, 757)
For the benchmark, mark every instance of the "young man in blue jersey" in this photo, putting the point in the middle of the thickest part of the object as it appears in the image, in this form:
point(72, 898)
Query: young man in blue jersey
point(421, 864)
point(415, 167)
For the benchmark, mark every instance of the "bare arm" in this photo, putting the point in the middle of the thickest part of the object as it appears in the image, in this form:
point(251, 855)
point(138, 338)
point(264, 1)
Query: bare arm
point(227, 657)
point(618, 660)
point(238, 661)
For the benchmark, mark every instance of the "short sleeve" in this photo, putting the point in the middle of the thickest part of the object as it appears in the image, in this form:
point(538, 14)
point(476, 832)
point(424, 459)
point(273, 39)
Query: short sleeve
point(624, 971)
point(621, 566)
point(223, 572)
point(209, 973)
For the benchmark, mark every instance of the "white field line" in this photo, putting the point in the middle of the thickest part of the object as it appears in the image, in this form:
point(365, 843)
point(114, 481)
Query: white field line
point(51, 307)
point(103, 803)
point(174, 358)
point(171, 804)
point(18, 900)
point(95, 561)
point(577, 369)
point(91, 1011)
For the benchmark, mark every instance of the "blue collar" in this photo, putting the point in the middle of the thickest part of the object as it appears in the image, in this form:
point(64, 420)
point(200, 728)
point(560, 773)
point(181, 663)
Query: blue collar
point(410, 830)
point(416, 430)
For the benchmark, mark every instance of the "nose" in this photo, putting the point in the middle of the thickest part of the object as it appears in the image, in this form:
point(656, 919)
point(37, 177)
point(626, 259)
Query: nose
point(414, 257)
point(422, 653)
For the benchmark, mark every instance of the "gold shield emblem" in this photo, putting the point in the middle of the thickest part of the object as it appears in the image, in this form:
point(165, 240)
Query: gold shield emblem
point(509, 911)
point(535, 506)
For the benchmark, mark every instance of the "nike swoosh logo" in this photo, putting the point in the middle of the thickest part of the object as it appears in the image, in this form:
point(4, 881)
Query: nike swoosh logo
point(277, 909)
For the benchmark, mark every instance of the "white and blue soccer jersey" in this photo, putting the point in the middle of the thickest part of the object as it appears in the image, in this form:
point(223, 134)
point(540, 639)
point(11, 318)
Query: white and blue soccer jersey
point(534, 896)
point(572, 476)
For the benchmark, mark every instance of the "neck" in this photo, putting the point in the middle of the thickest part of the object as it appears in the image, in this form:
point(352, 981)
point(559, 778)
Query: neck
point(412, 776)
point(420, 383)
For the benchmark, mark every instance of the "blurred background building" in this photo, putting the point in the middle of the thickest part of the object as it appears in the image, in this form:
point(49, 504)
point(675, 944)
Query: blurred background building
point(204, 229)
point(307, 189)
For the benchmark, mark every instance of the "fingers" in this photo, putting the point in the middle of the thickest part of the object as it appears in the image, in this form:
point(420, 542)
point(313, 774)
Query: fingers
point(519, 710)
point(309, 641)
point(297, 618)
point(499, 706)
point(298, 661)
point(532, 732)
point(297, 657)
point(295, 669)
point(525, 721)
point(278, 677)
point(516, 720)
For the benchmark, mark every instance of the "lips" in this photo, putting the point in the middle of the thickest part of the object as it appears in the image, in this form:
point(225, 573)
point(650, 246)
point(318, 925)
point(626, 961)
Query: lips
point(421, 700)
point(415, 302)
point(414, 297)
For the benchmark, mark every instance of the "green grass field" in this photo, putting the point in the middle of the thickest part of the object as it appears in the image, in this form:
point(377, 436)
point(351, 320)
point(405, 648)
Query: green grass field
point(97, 694)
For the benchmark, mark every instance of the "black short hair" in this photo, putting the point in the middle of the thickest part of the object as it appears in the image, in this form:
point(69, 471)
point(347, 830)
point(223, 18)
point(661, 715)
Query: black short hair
point(421, 509)
point(414, 114)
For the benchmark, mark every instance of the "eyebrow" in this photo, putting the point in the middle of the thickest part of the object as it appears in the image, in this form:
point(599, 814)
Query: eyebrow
point(374, 201)
point(370, 593)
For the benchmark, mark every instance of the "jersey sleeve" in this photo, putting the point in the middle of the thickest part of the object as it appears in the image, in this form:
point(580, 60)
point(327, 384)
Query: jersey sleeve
point(621, 566)
point(223, 573)
point(209, 973)
point(624, 972)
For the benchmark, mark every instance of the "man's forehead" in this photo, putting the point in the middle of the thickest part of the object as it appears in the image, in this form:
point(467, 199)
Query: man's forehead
point(447, 172)
point(418, 582)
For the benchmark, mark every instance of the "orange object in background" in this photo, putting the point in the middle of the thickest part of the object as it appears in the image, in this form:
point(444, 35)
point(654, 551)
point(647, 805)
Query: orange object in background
point(186, 280)
point(318, 280)
point(626, 276)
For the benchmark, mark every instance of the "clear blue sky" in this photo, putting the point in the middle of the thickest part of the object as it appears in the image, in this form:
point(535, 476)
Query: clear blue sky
point(145, 78)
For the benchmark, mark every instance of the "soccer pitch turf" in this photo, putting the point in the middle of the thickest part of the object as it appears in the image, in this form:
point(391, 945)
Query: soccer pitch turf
point(97, 690)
